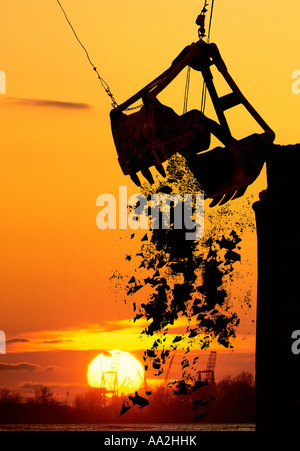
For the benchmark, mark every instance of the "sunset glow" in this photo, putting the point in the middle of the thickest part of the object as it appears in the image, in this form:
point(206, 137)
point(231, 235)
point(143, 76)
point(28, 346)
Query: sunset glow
point(130, 373)
point(60, 310)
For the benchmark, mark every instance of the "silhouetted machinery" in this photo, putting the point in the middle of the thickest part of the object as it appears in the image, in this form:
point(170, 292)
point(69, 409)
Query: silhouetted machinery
point(109, 379)
point(154, 133)
point(208, 375)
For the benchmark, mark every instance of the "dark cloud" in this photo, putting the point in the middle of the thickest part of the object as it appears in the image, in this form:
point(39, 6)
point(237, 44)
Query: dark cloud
point(51, 369)
point(22, 366)
point(26, 366)
point(48, 103)
point(47, 342)
point(17, 340)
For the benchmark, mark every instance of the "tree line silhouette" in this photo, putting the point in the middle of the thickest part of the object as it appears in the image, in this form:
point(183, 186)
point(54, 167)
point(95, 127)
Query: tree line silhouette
point(233, 402)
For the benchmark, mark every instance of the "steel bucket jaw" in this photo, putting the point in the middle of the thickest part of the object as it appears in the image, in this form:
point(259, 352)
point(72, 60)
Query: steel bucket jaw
point(224, 173)
point(155, 133)
point(149, 137)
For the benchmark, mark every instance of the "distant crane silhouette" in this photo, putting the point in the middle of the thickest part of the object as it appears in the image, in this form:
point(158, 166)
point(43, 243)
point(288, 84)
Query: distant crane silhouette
point(209, 374)
point(168, 371)
point(109, 379)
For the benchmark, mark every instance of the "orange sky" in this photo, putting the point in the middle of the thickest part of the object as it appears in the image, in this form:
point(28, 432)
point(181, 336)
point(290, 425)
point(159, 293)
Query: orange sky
point(57, 156)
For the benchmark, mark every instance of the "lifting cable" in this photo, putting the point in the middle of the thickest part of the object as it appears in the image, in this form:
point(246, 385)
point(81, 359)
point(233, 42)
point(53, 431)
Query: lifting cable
point(187, 88)
point(201, 32)
point(186, 95)
point(102, 81)
point(204, 89)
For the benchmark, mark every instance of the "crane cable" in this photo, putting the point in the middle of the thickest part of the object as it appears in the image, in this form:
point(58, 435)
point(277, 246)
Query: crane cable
point(201, 32)
point(102, 81)
point(204, 88)
point(105, 84)
point(187, 88)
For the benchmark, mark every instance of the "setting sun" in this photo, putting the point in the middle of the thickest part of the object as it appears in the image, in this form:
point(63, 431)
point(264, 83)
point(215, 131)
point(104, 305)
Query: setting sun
point(119, 373)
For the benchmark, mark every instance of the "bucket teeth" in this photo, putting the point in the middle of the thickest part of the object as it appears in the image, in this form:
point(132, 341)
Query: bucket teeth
point(156, 157)
point(135, 179)
point(148, 176)
point(160, 169)
point(227, 197)
point(223, 199)
point(158, 165)
point(216, 200)
point(239, 193)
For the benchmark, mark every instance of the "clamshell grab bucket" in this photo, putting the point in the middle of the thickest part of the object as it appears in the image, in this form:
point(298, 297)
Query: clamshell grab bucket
point(149, 137)
point(224, 173)
point(155, 133)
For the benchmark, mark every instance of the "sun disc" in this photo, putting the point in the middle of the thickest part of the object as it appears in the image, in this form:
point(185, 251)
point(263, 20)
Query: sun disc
point(129, 371)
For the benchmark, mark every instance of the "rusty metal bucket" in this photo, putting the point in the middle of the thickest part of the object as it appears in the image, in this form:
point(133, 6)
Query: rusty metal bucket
point(155, 133)
point(151, 136)
point(224, 173)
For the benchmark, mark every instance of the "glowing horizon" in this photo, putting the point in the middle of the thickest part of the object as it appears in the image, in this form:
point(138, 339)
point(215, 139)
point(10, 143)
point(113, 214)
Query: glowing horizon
point(58, 156)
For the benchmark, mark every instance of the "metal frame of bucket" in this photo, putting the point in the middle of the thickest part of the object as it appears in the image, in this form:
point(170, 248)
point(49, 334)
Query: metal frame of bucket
point(153, 134)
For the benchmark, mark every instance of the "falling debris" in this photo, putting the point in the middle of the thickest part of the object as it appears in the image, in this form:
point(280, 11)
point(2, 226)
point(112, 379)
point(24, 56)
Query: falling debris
point(132, 401)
